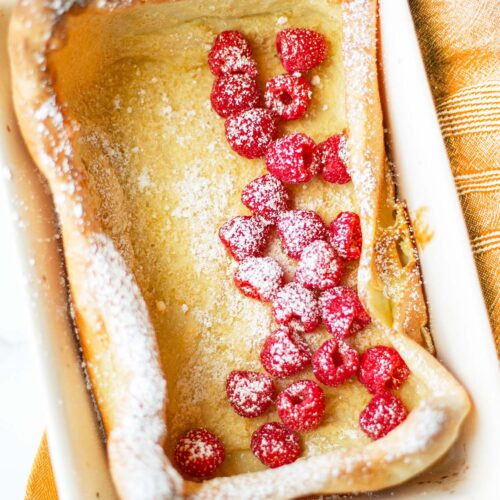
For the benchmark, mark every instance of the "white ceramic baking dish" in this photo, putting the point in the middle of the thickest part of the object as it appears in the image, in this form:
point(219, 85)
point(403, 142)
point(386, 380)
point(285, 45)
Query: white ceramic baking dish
point(458, 316)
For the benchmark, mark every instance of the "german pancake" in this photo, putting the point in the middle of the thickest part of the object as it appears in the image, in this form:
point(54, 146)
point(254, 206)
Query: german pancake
point(113, 99)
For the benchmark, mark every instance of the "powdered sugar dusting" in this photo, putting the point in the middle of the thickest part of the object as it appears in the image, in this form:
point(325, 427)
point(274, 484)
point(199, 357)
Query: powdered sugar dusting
point(301, 49)
point(288, 96)
point(231, 55)
point(251, 132)
point(245, 236)
point(297, 229)
point(135, 442)
point(199, 452)
point(360, 69)
point(266, 196)
point(343, 149)
point(289, 158)
point(275, 445)
point(301, 405)
point(234, 93)
point(259, 277)
point(196, 201)
point(50, 127)
point(319, 267)
point(250, 393)
point(285, 353)
point(294, 303)
point(429, 422)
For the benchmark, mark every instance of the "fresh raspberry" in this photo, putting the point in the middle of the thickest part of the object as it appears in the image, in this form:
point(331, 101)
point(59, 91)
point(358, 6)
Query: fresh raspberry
point(250, 393)
point(198, 453)
point(259, 278)
point(231, 53)
point(319, 267)
point(232, 38)
point(250, 132)
point(334, 362)
point(294, 302)
point(289, 158)
point(381, 415)
point(301, 406)
point(299, 228)
point(285, 353)
point(275, 445)
point(329, 158)
point(342, 311)
point(266, 196)
point(234, 93)
point(382, 368)
point(344, 234)
point(301, 49)
point(288, 96)
point(245, 236)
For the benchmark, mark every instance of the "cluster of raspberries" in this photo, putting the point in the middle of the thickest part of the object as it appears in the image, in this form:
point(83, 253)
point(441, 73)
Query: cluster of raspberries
point(252, 121)
point(316, 295)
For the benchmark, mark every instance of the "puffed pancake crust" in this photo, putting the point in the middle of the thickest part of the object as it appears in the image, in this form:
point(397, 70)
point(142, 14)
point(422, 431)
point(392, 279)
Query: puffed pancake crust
point(112, 97)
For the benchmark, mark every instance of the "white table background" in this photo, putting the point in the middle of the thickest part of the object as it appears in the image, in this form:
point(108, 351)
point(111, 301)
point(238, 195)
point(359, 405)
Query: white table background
point(21, 415)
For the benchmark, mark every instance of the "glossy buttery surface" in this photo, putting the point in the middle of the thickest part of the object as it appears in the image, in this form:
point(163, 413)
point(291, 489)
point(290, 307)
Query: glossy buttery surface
point(156, 152)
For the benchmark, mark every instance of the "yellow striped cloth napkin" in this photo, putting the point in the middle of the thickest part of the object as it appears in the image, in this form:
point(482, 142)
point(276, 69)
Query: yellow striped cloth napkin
point(460, 41)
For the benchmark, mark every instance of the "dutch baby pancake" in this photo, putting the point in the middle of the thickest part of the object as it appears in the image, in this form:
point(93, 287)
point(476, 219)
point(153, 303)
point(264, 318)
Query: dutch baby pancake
point(245, 284)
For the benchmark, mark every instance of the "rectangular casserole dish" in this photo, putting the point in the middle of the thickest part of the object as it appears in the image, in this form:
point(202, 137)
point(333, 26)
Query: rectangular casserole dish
point(448, 314)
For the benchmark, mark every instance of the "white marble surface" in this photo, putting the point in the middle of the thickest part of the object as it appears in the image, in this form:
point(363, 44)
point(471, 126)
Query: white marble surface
point(21, 415)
